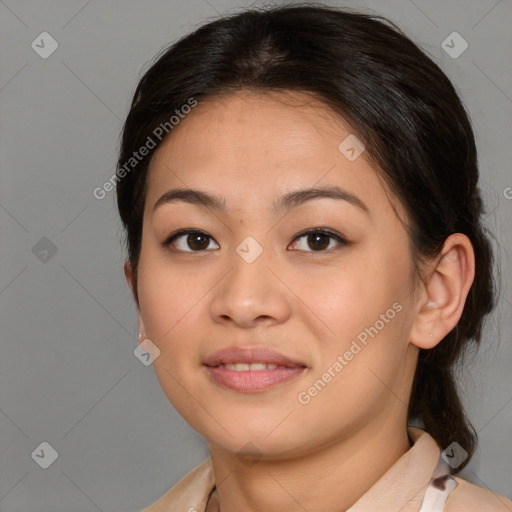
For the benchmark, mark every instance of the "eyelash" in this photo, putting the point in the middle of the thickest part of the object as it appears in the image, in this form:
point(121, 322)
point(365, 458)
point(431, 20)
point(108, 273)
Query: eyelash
point(341, 241)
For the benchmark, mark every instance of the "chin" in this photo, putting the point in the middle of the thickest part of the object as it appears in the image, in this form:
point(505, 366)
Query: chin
point(244, 438)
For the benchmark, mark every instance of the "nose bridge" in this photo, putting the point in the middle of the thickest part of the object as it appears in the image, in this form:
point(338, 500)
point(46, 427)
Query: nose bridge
point(250, 290)
point(249, 250)
point(248, 277)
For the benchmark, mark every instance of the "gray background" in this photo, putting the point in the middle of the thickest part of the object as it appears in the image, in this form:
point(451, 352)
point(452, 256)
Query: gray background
point(68, 375)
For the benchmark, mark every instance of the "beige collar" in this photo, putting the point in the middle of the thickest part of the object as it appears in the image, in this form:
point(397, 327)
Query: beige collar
point(402, 487)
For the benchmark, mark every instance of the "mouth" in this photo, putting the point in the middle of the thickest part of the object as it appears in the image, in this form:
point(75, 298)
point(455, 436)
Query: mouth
point(253, 367)
point(251, 370)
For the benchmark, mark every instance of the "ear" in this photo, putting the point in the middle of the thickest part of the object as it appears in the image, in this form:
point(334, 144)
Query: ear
point(130, 278)
point(132, 283)
point(444, 292)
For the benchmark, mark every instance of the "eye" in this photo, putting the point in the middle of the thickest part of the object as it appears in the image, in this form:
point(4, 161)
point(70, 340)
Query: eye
point(316, 240)
point(189, 240)
point(319, 239)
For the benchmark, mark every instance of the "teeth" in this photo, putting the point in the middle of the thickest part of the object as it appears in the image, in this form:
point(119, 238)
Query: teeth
point(243, 367)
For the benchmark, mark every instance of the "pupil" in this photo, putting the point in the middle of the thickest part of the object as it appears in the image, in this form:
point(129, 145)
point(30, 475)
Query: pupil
point(198, 240)
point(319, 237)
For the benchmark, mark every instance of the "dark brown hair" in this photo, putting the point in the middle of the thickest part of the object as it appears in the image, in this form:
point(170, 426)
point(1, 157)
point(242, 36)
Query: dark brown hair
point(397, 101)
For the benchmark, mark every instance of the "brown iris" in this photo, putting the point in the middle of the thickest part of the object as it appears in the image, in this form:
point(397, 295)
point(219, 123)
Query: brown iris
point(198, 241)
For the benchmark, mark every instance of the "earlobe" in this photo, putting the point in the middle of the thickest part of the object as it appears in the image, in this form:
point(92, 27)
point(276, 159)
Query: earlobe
point(445, 292)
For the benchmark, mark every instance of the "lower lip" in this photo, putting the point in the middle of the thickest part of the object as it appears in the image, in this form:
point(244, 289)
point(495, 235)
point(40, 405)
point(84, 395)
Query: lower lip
point(252, 381)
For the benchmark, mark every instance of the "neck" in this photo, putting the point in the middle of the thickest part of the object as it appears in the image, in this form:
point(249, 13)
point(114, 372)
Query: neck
point(331, 479)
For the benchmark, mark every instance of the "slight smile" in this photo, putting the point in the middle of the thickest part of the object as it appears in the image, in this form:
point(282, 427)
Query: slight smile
point(251, 370)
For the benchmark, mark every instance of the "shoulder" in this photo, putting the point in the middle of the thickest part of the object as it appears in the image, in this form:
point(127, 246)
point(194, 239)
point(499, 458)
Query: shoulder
point(190, 493)
point(467, 497)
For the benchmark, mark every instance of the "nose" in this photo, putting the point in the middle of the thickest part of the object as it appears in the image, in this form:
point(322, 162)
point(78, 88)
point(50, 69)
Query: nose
point(251, 293)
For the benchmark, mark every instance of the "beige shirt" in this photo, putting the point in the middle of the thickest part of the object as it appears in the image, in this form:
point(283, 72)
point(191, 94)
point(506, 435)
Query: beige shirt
point(417, 482)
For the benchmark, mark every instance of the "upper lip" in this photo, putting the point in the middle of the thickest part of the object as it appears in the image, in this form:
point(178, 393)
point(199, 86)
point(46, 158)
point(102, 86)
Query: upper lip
point(248, 355)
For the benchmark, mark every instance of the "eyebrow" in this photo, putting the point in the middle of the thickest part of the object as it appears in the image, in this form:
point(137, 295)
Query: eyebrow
point(286, 202)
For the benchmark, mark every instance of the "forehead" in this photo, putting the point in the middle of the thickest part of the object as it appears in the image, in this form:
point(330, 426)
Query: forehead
point(249, 143)
point(249, 120)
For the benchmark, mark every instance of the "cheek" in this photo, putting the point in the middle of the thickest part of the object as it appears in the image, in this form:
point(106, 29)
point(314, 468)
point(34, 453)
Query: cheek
point(365, 302)
point(170, 306)
point(169, 302)
point(349, 298)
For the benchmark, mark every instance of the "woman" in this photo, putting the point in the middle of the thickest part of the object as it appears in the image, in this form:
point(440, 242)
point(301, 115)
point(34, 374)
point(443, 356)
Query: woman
point(298, 185)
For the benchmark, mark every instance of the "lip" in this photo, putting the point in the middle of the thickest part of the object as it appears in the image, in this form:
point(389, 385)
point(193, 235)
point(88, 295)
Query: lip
point(251, 381)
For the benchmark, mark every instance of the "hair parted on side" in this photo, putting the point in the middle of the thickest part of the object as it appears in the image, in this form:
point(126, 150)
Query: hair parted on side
point(398, 102)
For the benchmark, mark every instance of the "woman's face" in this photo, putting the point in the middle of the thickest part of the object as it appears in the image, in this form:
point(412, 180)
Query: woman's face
point(336, 310)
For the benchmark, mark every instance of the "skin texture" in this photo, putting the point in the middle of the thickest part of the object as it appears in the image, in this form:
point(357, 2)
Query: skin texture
point(309, 305)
